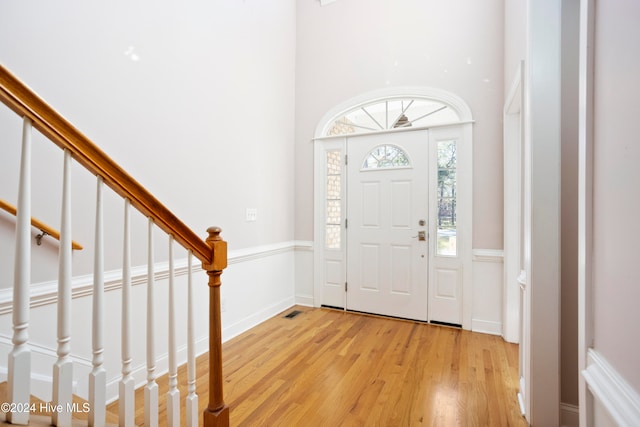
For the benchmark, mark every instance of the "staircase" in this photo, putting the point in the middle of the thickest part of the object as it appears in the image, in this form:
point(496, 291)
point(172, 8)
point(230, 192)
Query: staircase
point(41, 411)
point(38, 116)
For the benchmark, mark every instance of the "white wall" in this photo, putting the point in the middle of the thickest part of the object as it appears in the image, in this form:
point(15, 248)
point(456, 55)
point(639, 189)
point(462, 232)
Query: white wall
point(356, 46)
point(608, 230)
point(616, 201)
point(203, 119)
point(515, 38)
point(196, 102)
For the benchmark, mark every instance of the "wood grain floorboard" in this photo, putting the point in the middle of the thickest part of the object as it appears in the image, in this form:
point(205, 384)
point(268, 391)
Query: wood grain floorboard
point(331, 368)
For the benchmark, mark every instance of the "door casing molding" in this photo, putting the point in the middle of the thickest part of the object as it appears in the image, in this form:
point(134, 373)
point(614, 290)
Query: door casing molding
point(513, 208)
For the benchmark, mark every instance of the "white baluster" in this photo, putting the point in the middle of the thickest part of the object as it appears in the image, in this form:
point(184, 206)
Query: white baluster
point(151, 388)
point(19, 362)
point(127, 391)
point(192, 397)
point(98, 375)
point(173, 395)
point(63, 368)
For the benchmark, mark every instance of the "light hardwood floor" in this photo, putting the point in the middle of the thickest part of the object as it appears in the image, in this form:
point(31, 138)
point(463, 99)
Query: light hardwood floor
point(331, 368)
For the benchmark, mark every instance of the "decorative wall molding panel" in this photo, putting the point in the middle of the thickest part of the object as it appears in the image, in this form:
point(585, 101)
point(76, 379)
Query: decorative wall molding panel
point(611, 391)
point(488, 278)
point(304, 254)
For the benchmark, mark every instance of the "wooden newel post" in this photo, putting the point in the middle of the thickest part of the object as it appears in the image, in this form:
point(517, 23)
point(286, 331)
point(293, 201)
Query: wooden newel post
point(217, 413)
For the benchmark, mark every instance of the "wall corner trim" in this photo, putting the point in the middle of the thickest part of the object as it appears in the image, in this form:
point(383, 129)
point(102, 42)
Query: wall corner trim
point(615, 394)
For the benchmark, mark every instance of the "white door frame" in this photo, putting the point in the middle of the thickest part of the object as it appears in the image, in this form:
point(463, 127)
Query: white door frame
point(515, 319)
point(465, 182)
point(585, 207)
point(513, 209)
point(542, 132)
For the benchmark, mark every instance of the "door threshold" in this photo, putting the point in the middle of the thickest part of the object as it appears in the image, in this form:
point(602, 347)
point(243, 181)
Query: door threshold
point(451, 325)
point(386, 316)
point(366, 313)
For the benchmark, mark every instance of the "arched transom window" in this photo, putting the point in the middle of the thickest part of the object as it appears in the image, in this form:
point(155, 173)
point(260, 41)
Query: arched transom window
point(386, 156)
point(392, 113)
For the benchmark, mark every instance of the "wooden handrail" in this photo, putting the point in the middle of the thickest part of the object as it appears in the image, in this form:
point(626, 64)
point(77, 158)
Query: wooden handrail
point(25, 102)
point(47, 230)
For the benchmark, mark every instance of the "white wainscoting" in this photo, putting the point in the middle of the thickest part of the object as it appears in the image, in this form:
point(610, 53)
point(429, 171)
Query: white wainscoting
point(488, 275)
point(258, 284)
point(304, 273)
point(616, 402)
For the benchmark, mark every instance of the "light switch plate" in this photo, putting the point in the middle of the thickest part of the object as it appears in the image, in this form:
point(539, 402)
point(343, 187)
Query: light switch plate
point(252, 214)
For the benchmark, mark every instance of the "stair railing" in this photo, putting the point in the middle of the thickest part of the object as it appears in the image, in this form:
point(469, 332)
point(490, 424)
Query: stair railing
point(45, 230)
point(212, 252)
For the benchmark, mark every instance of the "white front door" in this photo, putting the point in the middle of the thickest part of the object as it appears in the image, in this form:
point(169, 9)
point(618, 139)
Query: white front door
point(387, 232)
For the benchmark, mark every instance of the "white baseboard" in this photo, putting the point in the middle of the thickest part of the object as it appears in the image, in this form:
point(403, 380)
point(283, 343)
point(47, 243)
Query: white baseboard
point(611, 391)
point(486, 327)
point(569, 415)
point(139, 371)
point(521, 403)
point(41, 385)
point(255, 319)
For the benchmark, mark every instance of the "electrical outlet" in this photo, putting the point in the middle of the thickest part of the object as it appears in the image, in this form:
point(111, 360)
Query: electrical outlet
point(251, 214)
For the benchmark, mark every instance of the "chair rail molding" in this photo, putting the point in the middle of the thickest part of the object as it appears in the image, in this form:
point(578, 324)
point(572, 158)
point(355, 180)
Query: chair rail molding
point(46, 292)
point(488, 255)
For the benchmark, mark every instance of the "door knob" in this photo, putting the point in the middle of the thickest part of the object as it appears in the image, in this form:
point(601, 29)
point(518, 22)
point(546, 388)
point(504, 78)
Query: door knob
point(422, 235)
